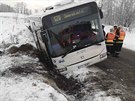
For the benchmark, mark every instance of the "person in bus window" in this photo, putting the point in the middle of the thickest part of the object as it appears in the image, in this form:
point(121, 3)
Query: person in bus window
point(66, 36)
point(115, 29)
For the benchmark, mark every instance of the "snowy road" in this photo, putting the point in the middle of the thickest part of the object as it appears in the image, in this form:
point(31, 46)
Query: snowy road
point(109, 80)
point(121, 69)
point(114, 81)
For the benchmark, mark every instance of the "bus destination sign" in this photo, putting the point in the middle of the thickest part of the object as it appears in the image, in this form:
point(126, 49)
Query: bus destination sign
point(70, 15)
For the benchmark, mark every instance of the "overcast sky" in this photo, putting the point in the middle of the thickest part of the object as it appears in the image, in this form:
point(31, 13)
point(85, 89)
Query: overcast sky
point(36, 4)
point(32, 4)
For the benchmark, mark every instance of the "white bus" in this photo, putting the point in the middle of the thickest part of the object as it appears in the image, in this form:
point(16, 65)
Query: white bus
point(70, 36)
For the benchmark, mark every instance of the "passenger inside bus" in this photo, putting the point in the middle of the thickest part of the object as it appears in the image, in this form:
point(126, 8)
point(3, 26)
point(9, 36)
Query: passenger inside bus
point(79, 34)
point(74, 34)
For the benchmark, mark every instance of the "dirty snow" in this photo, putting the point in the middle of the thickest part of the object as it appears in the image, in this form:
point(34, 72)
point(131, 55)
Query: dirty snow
point(31, 86)
point(101, 96)
point(22, 87)
point(16, 83)
point(90, 77)
point(81, 74)
point(7, 61)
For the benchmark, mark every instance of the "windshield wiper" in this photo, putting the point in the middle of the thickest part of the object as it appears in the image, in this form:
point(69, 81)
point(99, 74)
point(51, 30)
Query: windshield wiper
point(98, 44)
point(73, 47)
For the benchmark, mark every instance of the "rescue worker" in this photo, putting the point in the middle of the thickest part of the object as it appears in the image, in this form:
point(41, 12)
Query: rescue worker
point(110, 42)
point(114, 29)
point(119, 38)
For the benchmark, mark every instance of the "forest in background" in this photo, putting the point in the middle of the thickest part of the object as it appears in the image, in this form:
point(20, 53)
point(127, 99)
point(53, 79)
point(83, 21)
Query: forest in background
point(116, 12)
point(19, 7)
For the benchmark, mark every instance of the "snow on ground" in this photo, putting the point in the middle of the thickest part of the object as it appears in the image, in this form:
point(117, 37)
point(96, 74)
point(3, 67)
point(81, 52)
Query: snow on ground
point(129, 40)
point(101, 96)
point(21, 76)
point(92, 90)
point(13, 32)
point(18, 84)
point(12, 15)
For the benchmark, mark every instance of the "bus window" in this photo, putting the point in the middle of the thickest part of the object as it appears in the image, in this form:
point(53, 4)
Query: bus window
point(55, 46)
point(81, 30)
point(94, 26)
point(63, 36)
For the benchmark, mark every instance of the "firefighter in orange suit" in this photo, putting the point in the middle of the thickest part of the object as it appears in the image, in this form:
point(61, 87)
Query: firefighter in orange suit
point(119, 38)
point(110, 42)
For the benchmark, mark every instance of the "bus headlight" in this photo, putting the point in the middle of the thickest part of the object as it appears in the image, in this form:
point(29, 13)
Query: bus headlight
point(103, 55)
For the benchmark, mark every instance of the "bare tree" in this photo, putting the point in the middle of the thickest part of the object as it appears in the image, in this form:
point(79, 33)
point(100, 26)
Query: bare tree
point(120, 12)
point(20, 7)
point(6, 8)
point(108, 9)
point(126, 13)
point(36, 11)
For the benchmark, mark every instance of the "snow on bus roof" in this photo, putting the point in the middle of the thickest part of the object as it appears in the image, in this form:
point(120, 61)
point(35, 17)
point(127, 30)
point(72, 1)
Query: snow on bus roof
point(59, 8)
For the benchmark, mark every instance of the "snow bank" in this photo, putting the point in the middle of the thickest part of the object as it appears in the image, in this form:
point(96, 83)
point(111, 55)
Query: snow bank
point(20, 86)
point(12, 15)
point(12, 32)
point(93, 78)
point(82, 73)
point(129, 40)
point(7, 62)
point(21, 76)
point(31, 86)
point(27, 89)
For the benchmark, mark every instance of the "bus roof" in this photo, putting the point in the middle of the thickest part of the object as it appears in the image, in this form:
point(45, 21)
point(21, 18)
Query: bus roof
point(60, 8)
point(39, 16)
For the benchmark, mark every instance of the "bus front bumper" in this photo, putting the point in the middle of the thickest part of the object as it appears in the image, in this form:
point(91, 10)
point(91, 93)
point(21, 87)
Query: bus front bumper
point(83, 64)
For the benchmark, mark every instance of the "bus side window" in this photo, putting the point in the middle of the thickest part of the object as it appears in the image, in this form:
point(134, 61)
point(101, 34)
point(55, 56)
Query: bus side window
point(100, 13)
point(94, 24)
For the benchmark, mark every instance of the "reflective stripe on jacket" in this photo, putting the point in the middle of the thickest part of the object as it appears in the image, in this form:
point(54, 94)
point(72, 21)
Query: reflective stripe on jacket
point(119, 41)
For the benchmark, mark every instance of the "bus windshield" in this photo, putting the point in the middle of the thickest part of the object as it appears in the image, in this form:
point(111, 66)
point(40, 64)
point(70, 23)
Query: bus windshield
point(80, 34)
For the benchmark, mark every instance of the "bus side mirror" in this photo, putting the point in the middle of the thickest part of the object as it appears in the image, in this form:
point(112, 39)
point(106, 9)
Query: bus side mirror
point(30, 29)
point(43, 35)
point(100, 13)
